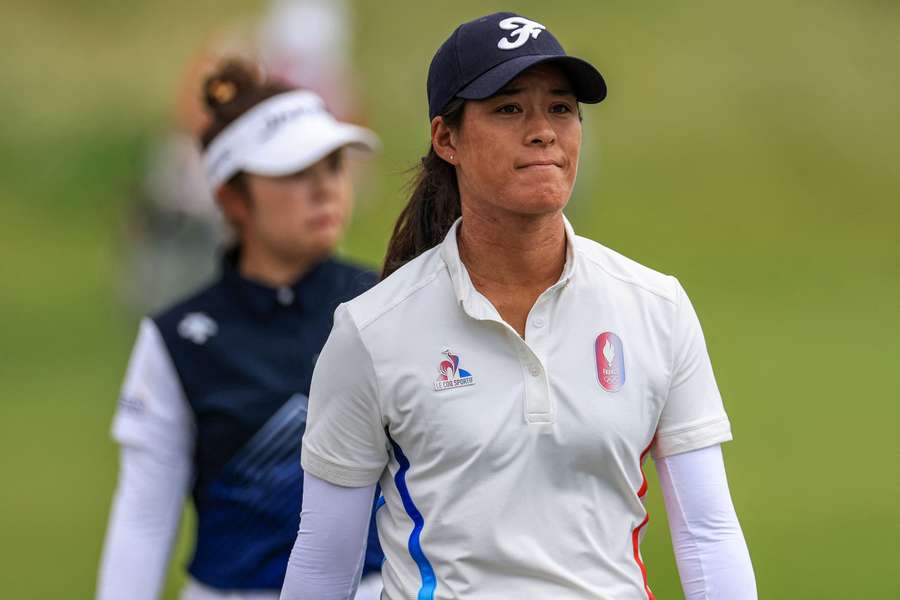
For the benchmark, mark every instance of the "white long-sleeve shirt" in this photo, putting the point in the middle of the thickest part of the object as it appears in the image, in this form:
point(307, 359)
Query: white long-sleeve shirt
point(155, 473)
point(710, 550)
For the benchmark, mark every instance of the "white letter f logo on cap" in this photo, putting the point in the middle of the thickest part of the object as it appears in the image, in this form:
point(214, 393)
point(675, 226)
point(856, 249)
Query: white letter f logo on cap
point(521, 28)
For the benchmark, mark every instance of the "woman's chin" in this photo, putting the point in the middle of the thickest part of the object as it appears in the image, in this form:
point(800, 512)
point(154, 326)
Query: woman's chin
point(539, 198)
point(539, 203)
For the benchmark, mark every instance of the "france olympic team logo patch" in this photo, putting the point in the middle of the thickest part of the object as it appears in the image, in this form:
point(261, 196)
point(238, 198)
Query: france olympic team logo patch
point(610, 361)
point(451, 376)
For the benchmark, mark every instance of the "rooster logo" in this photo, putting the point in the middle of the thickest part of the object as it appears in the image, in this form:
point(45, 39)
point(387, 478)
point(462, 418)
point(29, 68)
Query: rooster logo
point(449, 369)
point(450, 375)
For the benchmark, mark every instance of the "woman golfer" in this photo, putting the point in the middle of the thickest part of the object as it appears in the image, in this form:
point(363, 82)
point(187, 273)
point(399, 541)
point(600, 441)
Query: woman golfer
point(506, 381)
point(215, 397)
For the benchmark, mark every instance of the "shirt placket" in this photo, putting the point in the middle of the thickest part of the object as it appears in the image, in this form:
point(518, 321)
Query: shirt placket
point(531, 352)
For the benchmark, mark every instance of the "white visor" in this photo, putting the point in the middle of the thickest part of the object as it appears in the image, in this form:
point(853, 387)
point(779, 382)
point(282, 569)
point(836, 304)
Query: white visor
point(280, 136)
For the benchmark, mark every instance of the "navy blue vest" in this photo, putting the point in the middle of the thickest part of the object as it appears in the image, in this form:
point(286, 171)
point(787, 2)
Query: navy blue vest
point(246, 374)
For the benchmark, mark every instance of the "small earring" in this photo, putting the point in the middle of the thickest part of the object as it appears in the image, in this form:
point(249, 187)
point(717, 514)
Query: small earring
point(451, 157)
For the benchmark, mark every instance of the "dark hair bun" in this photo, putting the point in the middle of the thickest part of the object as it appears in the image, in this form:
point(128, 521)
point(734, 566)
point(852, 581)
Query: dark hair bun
point(235, 87)
point(231, 90)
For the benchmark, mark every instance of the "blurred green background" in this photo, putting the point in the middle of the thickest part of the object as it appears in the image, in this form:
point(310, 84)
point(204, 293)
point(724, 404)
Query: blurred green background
point(749, 148)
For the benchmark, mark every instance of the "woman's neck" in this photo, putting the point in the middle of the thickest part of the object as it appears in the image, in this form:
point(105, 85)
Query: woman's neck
point(513, 250)
point(512, 260)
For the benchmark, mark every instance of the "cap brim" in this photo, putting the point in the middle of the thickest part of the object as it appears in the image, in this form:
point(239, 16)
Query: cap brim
point(589, 84)
point(300, 146)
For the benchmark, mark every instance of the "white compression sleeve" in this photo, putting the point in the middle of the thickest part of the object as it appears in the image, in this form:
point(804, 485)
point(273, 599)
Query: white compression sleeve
point(143, 522)
point(155, 429)
point(712, 556)
point(328, 556)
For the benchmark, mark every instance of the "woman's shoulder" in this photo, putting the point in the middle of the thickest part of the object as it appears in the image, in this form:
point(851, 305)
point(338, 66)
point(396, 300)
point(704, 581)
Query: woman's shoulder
point(605, 262)
point(403, 285)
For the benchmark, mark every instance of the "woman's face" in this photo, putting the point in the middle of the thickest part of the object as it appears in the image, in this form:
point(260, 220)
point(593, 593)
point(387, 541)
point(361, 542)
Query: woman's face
point(299, 217)
point(518, 150)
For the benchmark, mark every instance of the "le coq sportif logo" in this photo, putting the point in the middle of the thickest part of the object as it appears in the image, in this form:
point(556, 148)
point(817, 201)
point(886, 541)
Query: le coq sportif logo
point(522, 30)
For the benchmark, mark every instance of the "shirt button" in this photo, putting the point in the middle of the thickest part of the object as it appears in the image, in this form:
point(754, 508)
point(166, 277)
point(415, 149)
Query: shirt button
point(534, 370)
point(285, 296)
point(539, 322)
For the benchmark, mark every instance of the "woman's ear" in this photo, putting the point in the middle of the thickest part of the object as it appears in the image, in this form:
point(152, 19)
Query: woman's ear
point(234, 204)
point(443, 140)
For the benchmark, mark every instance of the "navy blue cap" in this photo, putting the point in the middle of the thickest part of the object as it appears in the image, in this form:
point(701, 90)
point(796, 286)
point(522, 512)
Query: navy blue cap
point(483, 55)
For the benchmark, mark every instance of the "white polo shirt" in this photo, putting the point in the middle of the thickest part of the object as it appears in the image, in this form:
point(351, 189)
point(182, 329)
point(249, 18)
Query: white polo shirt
point(510, 467)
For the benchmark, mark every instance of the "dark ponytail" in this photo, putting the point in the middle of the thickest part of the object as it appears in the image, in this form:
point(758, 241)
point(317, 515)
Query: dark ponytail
point(433, 204)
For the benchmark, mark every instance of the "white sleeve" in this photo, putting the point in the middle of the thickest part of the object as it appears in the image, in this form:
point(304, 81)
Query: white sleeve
point(143, 522)
point(154, 426)
point(693, 415)
point(329, 553)
point(153, 411)
point(710, 551)
point(345, 442)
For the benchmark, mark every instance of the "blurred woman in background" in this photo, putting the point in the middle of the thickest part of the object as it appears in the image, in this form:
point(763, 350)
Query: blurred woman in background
point(215, 396)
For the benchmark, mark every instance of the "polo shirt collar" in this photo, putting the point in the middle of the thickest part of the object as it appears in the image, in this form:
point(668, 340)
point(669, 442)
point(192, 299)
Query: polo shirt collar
point(304, 294)
point(472, 301)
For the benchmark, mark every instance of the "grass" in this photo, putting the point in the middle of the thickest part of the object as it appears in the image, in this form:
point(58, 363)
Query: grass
point(750, 150)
